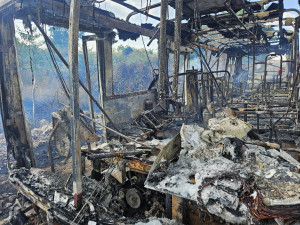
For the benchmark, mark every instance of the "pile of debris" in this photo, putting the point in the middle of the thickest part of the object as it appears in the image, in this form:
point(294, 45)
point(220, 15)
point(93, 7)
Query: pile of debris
point(53, 194)
point(40, 136)
point(230, 172)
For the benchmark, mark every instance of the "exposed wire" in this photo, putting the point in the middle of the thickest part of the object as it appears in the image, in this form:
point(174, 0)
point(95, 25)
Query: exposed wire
point(30, 36)
point(144, 42)
point(103, 183)
point(61, 79)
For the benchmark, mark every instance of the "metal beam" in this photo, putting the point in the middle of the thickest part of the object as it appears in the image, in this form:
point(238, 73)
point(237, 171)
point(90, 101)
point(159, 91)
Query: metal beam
point(177, 42)
point(75, 112)
point(105, 71)
point(162, 48)
point(253, 72)
point(123, 3)
point(88, 79)
point(143, 10)
point(91, 19)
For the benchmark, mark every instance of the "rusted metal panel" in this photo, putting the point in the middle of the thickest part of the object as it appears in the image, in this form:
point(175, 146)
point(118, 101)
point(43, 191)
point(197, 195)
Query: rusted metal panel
point(134, 165)
point(139, 166)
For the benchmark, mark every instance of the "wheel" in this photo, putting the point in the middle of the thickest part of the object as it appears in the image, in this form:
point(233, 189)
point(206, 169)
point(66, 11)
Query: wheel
point(133, 198)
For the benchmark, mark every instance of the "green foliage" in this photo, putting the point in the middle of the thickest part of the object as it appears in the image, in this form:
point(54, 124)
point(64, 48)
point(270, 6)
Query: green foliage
point(132, 70)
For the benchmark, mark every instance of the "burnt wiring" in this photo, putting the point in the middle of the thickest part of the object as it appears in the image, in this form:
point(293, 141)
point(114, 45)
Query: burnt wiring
point(102, 184)
point(143, 39)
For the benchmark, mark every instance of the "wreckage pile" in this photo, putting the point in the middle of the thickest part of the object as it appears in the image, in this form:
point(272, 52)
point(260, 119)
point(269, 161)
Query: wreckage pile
point(53, 193)
point(230, 172)
point(40, 136)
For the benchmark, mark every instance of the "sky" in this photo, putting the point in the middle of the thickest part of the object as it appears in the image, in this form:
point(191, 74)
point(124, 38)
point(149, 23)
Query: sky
point(291, 4)
point(122, 12)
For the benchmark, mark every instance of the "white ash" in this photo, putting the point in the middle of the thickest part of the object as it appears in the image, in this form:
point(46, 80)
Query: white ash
point(41, 134)
point(159, 221)
point(220, 163)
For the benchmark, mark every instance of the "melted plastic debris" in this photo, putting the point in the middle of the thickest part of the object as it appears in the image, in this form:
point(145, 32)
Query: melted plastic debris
point(215, 169)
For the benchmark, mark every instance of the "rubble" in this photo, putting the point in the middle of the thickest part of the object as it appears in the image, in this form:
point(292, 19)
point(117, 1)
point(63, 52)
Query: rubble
point(236, 181)
point(159, 221)
point(40, 137)
point(62, 134)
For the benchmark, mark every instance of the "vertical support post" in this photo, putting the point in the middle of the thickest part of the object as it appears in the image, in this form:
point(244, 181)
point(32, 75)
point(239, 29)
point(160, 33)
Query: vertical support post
point(74, 94)
point(227, 81)
point(101, 69)
point(162, 49)
point(257, 123)
point(203, 84)
point(88, 79)
point(187, 96)
point(177, 43)
point(253, 71)
point(241, 88)
point(295, 49)
point(281, 36)
point(239, 64)
point(280, 72)
point(218, 62)
point(206, 81)
point(105, 72)
point(264, 90)
point(16, 128)
point(245, 112)
point(167, 81)
point(248, 61)
point(297, 55)
point(210, 82)
point(232, 72)
point(107, 44)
